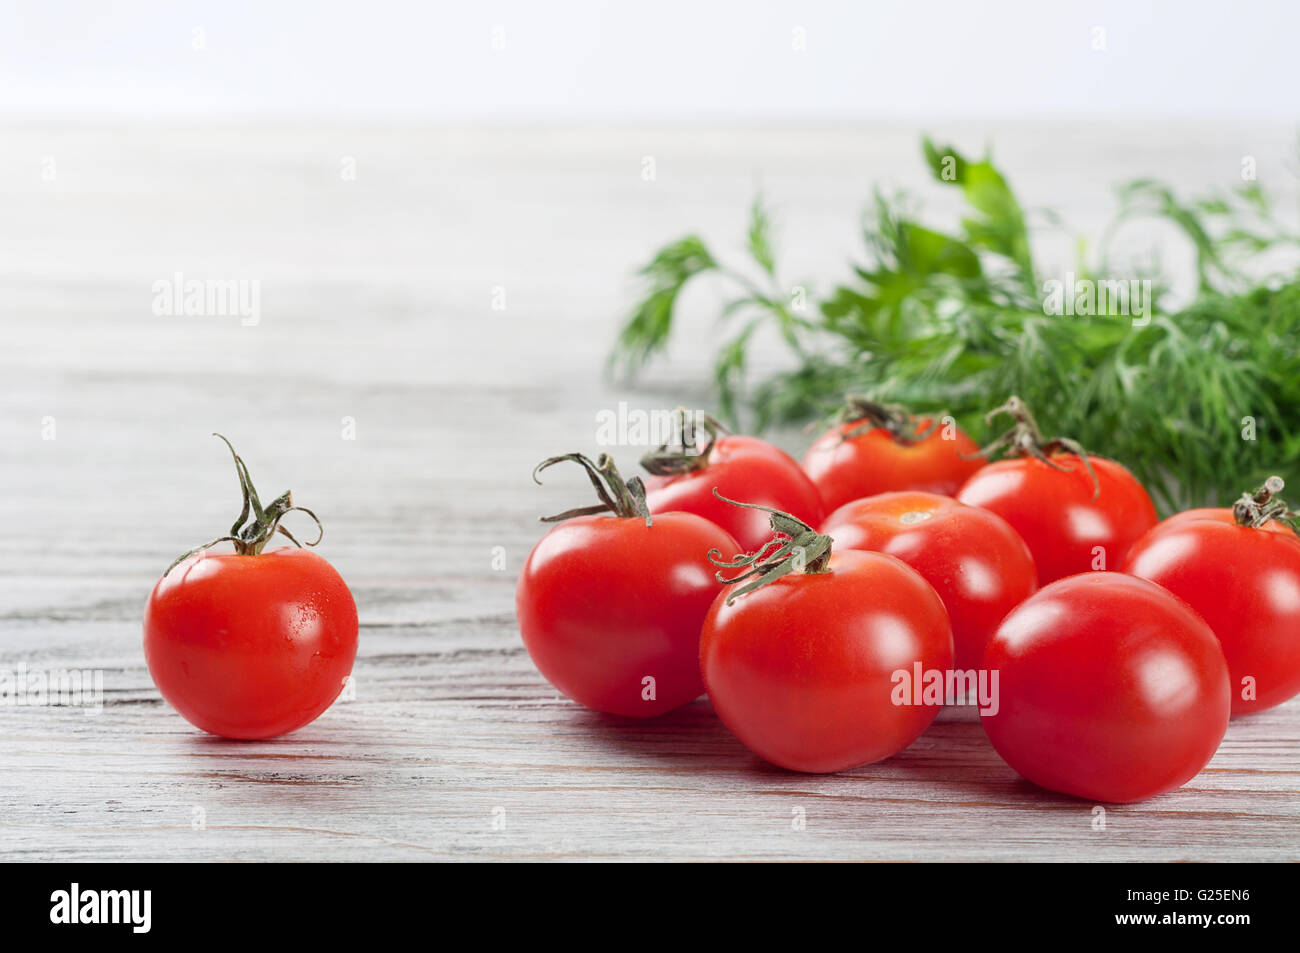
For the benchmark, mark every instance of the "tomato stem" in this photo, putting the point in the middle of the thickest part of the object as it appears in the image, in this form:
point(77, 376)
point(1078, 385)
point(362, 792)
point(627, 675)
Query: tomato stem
point(904, 426)
point(685, 456)
point(1025, 439)
point(256, 524)
point(794, 547)
point(623, 499)
point(1257, 508)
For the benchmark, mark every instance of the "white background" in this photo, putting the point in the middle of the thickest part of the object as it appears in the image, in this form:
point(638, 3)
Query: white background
point(673, 59)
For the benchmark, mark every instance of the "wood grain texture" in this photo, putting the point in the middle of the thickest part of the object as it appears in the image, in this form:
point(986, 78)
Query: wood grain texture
point(377, 306)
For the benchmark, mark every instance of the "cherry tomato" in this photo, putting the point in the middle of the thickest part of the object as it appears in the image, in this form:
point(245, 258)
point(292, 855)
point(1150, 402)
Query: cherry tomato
point(251, 646)
point(803, 669)
point(610, 606)
point(1067, 529)
point(1108, 688)
point(254, 643)
point(741, 468)
point(855, 459)
point(975, 561)
point(1245, 583)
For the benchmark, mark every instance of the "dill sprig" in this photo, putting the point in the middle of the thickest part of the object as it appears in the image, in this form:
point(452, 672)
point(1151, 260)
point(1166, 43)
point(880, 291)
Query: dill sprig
point(1198, 401)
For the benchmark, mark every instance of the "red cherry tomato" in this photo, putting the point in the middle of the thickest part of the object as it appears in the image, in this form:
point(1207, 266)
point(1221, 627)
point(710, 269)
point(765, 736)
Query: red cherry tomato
point(1245, 583)
point(610, 606)
point(1108, 688)
point(254, 643)
point(849, 462)
point(251, 646)
point(803, 669)
point(1055, 512)
point(740, 468)
point(975, 561)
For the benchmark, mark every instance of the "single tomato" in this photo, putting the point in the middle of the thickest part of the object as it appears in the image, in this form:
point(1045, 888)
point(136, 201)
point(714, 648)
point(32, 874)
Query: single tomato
point(976, 562)
point(1238, 567)
point(254, 643)
point(1075, 511)
point(804, 661)
point(877, 448)
point(741, 468)
point(610, 603)
point(1108, 688)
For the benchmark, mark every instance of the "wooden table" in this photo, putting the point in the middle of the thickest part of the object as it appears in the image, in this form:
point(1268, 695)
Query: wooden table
point(381, 315)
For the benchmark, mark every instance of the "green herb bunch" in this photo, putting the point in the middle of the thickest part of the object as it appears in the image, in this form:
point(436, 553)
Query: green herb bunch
point(1199, 402)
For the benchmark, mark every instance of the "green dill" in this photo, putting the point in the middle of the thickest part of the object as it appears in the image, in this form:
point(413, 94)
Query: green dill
point(1200, 401)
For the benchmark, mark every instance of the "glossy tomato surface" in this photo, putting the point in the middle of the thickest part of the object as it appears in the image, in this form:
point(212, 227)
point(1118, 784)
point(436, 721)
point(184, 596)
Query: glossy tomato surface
point(1108, 688)
point(976, 562)
point(1055, 512)
point(848, 468)
point(1245, 583)
point(251, 646)
point(802, 670)
point(606, 602)
point(1215, 514)
point(747, 470)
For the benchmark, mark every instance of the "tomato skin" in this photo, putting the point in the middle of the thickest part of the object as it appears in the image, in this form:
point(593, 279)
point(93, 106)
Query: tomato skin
point(1109, 689)
point(976, 562)
point(1245, 583)
point(747, 470)
point(251, 646)
point(605, 601)
point(875, 462)
point(800, 670)
point(1216, 514)
point(1055, 512)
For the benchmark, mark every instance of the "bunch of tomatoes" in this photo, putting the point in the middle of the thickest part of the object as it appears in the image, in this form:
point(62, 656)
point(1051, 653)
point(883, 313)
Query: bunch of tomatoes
point(830, 608)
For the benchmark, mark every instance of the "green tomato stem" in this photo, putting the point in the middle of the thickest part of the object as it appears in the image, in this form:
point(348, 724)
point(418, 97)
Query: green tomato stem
point(622, 498)
point(794, 547)
point(256, 524)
